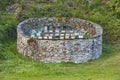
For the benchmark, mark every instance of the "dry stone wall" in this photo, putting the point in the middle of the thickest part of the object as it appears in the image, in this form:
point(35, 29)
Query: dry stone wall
point(76, 50)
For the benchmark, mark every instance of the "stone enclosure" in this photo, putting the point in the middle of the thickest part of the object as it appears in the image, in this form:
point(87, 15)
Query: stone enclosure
point(67, 48)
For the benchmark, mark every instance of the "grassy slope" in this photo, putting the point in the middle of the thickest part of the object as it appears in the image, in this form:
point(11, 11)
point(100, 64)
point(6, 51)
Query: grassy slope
point(17, 67)
point(14, 66)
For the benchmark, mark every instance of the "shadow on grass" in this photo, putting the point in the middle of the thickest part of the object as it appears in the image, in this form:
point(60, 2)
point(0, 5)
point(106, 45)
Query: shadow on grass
point(2, 55)
point(109, 50)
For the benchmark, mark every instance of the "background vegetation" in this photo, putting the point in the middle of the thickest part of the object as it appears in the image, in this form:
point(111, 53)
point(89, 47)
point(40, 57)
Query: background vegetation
point(13, 66)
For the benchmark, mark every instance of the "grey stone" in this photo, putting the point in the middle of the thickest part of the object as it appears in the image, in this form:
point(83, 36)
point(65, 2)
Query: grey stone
point(76, 50)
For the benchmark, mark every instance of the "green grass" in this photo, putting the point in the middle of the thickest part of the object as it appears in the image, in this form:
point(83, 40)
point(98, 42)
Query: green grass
point(18, 67)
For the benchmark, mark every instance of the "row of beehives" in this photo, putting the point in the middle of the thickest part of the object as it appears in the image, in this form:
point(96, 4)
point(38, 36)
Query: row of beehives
point(64, 33)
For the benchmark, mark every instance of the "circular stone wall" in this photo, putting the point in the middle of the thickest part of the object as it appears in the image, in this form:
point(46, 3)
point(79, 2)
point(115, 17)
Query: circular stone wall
point(61, 50)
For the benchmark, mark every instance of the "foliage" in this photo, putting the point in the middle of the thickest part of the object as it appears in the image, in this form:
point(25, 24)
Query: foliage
point(115, 7)
point(7, 27)
point(5, 3)
point(2, 55)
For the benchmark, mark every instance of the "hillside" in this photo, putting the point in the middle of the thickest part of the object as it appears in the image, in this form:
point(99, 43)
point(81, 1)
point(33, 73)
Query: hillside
point(14, 66)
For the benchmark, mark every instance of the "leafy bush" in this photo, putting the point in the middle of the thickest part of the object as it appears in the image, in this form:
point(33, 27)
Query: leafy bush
point(115, 7)
point(7, 27)
point(4, 3)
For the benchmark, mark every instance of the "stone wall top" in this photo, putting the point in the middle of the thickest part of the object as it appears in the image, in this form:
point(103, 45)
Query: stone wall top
point(92, 28)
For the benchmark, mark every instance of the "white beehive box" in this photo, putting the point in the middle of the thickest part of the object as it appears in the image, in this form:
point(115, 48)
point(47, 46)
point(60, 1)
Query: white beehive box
point(63, 31)
point(72, 37)
point(56, 34)
point(45, 37)
point(80, 36)
point(62, 34)
point(50, 37)
point(61, 37)
point(38, 34)
point(57, 31)
point(76, 33)
point(67, 34)
point(40, 37)
point(71, 31)
point(50, 34)
point(32, 36)
point(45, 28)
point(67, 37)
point(50, 31)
